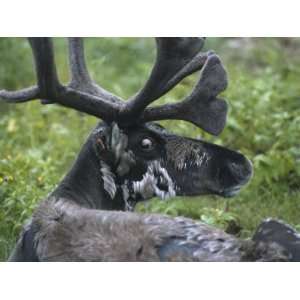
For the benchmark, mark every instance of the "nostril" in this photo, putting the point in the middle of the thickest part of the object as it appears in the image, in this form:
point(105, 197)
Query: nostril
point(241, 171)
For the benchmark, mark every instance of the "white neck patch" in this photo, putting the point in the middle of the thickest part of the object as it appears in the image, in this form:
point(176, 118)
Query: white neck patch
point(148, 187)
point(108, 178)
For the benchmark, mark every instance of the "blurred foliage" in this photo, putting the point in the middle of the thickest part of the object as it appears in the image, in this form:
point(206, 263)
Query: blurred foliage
point(38, 143)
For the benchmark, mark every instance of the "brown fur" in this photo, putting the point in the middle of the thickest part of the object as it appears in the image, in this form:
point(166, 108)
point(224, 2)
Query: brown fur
point(68, 232)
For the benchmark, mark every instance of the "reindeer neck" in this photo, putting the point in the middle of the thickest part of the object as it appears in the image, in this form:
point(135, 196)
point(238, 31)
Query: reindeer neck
point(84, 184)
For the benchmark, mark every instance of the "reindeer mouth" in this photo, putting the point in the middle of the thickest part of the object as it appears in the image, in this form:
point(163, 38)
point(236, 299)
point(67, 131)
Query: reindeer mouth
point(229, 193)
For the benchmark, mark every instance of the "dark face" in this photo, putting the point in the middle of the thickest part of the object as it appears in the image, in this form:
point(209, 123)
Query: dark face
point(153, 162)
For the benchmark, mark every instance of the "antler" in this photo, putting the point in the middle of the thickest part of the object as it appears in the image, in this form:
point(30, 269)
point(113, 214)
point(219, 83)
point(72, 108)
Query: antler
point(81, 94)
point(201, 107)
point(80, 78)
point(176, 59)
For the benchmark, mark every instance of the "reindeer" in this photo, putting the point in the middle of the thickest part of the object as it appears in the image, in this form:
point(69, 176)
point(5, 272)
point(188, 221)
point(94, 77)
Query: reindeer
point(129, 158)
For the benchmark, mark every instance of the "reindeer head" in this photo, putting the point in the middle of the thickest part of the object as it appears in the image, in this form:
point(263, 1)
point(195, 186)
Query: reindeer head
point(137, 156)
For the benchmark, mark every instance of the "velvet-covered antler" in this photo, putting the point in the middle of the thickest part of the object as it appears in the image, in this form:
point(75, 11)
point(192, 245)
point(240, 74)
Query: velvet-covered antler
point(201, 107)
point(81, 94)
point(176, 59)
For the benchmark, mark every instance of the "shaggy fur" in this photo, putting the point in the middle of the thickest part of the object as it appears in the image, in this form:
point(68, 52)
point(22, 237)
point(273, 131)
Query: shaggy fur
point(65, 231)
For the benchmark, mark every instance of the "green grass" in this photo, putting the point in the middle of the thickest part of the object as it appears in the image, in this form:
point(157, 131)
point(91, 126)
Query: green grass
point(39, 143)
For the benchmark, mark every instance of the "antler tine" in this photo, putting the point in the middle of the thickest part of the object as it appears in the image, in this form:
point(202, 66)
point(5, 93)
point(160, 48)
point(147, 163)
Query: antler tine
point(47, 79)
point(201, 107)
point(48, 83)
point(79, 72)
point(20, 96)
point(74, 96)
point(80, 78)
point(176, 58)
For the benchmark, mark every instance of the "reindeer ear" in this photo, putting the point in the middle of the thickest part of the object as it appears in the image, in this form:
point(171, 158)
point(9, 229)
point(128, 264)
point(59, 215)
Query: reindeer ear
point(118, 141)
point(124, 159)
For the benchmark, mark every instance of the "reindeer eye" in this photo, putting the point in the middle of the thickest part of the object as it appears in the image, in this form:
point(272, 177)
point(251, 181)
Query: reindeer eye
point(147, 144)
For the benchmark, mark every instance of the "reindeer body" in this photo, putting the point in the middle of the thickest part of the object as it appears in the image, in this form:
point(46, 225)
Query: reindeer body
point(65, 231)
point(74, 224)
